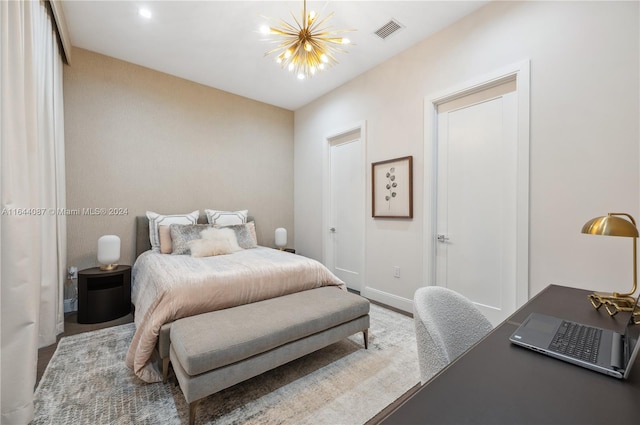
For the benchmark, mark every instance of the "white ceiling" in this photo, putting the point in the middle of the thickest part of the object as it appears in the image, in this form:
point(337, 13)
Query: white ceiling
point(218, 43)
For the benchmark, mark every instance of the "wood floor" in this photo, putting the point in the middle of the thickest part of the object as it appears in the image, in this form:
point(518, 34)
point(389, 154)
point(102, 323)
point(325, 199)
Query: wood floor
point(72, 327)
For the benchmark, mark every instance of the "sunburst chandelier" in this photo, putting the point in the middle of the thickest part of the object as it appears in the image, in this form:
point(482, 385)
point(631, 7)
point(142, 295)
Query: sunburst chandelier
point(308, 46)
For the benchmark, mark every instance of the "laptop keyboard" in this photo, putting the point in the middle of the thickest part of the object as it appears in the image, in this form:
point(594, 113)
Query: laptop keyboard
point(577, 341)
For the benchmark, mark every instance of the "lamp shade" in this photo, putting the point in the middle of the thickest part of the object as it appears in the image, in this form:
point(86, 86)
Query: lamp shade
point(610, 225)
point(281, 237)
point(108, 252)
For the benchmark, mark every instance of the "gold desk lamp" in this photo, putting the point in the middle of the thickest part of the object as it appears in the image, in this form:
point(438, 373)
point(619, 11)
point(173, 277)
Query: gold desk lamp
point(613, 225)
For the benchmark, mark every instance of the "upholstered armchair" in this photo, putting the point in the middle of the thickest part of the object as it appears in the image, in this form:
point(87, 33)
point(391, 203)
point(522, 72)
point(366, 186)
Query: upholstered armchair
point(447, 324)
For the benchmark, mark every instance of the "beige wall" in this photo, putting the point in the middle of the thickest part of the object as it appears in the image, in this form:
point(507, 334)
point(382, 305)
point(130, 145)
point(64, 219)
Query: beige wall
point(584, 137)
point(142, 140)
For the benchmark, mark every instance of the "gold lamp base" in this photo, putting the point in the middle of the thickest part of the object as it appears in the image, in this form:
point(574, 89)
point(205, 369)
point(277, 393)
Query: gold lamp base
point(613, 302)
point(108, 267)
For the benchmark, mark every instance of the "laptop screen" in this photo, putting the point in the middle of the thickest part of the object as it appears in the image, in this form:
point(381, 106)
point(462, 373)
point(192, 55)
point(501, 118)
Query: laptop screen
point(631, 346)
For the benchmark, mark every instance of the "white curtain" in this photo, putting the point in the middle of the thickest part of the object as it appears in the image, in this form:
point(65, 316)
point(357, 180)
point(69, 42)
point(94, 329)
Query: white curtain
point(32, 189)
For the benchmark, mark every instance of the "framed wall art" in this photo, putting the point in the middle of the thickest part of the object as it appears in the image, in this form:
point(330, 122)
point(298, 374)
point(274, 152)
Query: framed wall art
point(392, 187)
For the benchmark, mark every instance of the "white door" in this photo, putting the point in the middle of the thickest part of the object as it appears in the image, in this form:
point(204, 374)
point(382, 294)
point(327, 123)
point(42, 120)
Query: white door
point(346, 229)
point(477, 200)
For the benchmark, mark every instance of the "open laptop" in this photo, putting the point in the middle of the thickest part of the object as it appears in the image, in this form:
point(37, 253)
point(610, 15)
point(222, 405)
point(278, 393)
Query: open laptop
point(605, 351)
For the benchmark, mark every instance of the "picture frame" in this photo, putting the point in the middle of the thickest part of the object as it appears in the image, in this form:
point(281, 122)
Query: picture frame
point(392, 188)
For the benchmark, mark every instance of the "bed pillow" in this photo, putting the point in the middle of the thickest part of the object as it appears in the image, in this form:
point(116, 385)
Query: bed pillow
point(215, 241)
point(156, 220)
point(252, 229)
point(182, 234)
point(246, 238)
point(164, 233)
point(226, 218)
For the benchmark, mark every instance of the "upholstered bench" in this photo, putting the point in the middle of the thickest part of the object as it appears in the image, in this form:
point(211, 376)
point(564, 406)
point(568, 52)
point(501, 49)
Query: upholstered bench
point(213, 351)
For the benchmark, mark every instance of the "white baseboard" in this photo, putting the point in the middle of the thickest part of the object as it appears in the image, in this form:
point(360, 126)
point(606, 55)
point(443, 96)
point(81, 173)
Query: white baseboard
point(70, 305)
point(391, 300)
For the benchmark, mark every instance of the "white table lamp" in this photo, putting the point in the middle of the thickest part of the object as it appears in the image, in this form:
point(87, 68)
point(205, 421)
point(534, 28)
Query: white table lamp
point(281, 237)
point(108, 252)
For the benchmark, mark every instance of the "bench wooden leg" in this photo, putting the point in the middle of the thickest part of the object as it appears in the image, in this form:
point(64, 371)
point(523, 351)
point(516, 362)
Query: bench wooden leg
point(365, 335)
point(192, 412)
point(165, 369)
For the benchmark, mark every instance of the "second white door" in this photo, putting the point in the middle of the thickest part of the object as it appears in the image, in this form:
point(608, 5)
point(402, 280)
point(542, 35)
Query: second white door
point(346, 231)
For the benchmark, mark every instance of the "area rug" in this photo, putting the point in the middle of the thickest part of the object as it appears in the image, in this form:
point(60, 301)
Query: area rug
point(87, 382)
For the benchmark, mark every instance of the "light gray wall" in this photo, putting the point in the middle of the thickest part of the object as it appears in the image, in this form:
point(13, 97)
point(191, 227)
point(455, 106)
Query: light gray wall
point(143, 140)
point(584, 136)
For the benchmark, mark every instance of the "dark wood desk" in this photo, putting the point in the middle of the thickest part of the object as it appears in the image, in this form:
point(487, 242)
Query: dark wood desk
point(497, 382)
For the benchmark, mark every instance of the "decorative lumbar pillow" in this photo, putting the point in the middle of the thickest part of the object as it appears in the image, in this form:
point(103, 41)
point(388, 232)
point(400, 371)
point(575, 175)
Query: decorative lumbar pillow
point(214, 242)
point(164, 233)
point(182, 234)
point(252, 229)
point(156, 220)
point(226, 218)
point(245, 238)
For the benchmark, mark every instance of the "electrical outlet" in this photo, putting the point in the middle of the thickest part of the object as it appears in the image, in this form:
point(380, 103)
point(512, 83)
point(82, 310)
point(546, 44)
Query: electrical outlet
point(396, 271)
point(72, 272)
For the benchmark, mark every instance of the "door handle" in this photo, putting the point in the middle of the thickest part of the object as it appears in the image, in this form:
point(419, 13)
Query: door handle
point(442, 238)
point(332, 229)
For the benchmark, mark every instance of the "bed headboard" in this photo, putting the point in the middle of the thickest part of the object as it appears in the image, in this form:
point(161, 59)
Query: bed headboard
point(142, 232)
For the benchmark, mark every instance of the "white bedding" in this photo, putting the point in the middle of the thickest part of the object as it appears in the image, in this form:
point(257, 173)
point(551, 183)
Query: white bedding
point(168, 287)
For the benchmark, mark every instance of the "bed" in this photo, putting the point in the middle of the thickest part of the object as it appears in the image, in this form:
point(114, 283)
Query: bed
point(168, 287)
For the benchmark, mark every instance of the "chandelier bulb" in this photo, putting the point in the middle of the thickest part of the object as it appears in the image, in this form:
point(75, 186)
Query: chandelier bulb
point(301, 76)
point(291, 67)
point(307, 46)
point(346, 41)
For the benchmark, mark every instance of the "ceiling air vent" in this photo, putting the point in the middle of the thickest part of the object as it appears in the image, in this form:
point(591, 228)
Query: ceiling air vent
point(389, 28)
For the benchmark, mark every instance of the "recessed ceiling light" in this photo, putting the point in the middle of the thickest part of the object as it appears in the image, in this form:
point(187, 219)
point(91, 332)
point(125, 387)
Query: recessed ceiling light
point(144, 12)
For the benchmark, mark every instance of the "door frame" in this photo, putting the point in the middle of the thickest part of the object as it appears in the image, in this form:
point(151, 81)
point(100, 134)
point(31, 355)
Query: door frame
point(329, 140)
point(519, 71)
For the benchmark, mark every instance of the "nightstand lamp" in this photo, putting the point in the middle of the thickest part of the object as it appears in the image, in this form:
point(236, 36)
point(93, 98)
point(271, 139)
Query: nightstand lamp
point(614, 225)
point(281, 238)
point(108, 252)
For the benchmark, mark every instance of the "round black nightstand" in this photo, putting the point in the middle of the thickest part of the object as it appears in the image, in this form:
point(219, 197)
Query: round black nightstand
point(103, 295)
